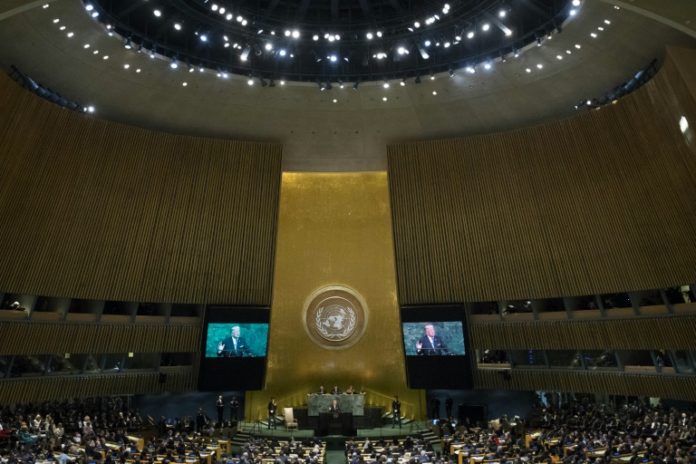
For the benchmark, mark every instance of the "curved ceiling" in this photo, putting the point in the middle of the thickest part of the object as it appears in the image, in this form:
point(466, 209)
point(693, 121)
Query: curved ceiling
point(341, 129)
point(327, 41)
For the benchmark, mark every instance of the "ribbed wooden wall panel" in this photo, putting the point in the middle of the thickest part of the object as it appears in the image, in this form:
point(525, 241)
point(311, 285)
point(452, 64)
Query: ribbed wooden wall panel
point(99, 210)
point(47, 388)
point(645, 333)
point(53, 338)
point(616, 383)
point(604, 201)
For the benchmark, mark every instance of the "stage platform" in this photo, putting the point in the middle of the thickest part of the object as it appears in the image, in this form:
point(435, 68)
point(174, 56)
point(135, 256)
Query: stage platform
point(261, 429)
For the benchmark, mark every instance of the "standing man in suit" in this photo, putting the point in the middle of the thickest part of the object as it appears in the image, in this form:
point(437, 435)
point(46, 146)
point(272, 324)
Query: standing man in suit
point(234, 409)
point(234, 345)
point(272, 410)
point(220, 405)
point(430, 344)
point(396, 412)
point(334, 408)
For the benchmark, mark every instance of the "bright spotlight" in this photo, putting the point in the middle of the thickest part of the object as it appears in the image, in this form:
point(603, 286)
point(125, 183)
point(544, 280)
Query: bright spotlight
point(486, 27)
point(157, 13)
point(683, 124)
point(250, 82)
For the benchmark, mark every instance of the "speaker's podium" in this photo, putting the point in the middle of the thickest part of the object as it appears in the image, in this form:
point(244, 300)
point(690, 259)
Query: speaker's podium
point(335, 424)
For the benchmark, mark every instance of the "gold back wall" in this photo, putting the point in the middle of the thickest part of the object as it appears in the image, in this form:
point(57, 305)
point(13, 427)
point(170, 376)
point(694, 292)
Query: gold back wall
point(98, 210)
point(334, 229)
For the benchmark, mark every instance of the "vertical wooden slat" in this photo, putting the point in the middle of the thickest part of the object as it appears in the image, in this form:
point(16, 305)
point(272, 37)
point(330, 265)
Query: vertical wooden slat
point(602, 202)
point(98, 210)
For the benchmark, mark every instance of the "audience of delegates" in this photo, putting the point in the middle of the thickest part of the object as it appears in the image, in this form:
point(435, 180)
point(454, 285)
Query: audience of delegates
point(411, 450)
point(105, 430)
point(260, 450)
point(584, 432)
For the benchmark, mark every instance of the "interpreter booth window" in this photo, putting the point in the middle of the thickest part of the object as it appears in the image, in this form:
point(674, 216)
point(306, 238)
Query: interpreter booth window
point(492, 356)
point(26, 366)
point(186, 310)
point(89, 363)
point(582, 303)
point(142, 361)
point(152, 309)
point(599, 360)
point(61, 364)
point(644, 361)
point(616, 301)
point(484, 308)
point(527, 358)
point(684, 362)
point(517, 306)
point(565, 359)
point(681, 294)
point(113, 362)
point(176, 359)
point(4, 366)
point(118, 308)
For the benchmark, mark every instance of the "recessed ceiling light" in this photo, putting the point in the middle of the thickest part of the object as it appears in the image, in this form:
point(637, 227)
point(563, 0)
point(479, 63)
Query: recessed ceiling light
point(683, 124)
point(434, 92)
point(384, 99)
point(177, 26)
point(157, 13)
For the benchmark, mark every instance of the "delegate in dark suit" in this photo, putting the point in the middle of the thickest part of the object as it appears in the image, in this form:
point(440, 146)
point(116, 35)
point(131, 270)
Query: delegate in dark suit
point(430, 344)
point(234, 345)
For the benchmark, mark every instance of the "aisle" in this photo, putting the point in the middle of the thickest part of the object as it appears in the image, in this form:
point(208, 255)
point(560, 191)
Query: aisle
point(335, 457)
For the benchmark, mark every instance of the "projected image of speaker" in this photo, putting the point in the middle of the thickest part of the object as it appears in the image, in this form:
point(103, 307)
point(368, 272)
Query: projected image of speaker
point(235, 344)
point(436, 346)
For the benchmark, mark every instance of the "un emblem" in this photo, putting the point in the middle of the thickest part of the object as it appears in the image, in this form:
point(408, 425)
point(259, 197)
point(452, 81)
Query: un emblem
point(335, 317)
